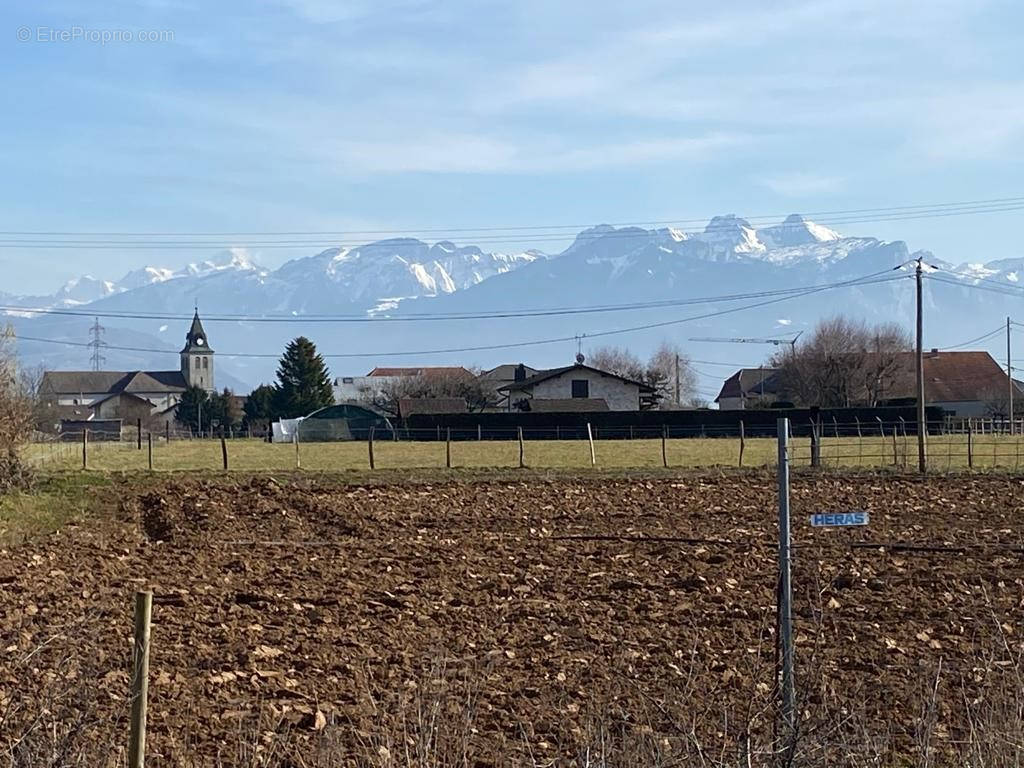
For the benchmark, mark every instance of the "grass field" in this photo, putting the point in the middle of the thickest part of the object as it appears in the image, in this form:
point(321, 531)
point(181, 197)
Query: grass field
point(946, 452)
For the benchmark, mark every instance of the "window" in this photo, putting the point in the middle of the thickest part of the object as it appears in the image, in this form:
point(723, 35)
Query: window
point(195, 363)
point(580, 388)
point(206, 363)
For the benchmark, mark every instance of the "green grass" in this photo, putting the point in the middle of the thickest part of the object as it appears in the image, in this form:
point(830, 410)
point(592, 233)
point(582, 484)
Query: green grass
point(947, 452)
point(53, 502)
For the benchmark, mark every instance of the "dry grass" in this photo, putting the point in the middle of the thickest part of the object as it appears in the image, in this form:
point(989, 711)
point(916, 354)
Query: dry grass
point(946, 452)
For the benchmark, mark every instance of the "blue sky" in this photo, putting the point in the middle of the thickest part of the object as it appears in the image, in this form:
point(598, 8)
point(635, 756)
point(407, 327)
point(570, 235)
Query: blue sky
point(398, 114)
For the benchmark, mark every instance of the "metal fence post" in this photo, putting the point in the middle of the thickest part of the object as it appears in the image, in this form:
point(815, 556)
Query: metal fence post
point(785, 597)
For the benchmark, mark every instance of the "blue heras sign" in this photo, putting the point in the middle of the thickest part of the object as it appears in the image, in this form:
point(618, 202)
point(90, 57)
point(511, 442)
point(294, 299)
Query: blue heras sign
point(839, 519)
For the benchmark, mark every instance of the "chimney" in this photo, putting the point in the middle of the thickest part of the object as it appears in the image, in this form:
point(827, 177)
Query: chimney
point(520, 374)
point(934, 351)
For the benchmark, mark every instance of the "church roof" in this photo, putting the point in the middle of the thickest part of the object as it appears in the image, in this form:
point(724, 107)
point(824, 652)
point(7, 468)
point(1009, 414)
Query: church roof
point(111, 382)
point(195, 339)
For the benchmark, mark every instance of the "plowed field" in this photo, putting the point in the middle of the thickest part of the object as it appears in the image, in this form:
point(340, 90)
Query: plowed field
point(510, 621)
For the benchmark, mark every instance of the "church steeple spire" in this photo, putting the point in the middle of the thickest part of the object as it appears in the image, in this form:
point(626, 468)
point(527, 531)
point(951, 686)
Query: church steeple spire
point(197, 357)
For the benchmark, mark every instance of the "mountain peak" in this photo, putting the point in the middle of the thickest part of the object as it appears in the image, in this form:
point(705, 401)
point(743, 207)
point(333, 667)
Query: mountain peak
point(794, 230)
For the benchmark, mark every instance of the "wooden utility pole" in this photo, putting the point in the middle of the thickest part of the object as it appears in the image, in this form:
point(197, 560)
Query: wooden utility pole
point(922, 427)
point(1009, 372)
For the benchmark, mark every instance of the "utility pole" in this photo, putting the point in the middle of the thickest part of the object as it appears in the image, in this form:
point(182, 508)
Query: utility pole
point(1009, 372)
point(922, 426)
point(677, 375)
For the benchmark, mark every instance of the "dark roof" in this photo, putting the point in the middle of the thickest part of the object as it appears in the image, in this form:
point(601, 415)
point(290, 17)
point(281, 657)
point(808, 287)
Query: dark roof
point(455, 370)
point(567, 405)
point(110, 382)
point(407, 406)
point(195, 339)
point(960, 376)
point(751, 382)
point(556, 372)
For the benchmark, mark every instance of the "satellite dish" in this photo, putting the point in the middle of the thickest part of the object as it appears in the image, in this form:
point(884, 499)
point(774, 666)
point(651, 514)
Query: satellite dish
point(579, 358)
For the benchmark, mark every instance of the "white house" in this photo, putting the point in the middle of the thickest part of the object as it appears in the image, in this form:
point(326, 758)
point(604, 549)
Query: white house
point(581, 381)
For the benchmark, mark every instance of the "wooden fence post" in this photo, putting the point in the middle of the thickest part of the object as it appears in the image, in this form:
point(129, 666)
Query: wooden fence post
point(369, 444)
point(859, 435)
point(85, 448)
point(815, 443)
point(224, 451)
point(522, 462)
point(970, 444)
point(743, 441)
point(448, 447)
point(590, 438)
point(895, 455)
point(149, 440)
point(295, 439)
point(138, 437)
point(140, 680)
point(835, 426)
point(664, 447)
point(479, 432)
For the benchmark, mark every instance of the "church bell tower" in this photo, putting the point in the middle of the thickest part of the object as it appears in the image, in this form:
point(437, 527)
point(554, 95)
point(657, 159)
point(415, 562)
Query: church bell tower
point(197, 357)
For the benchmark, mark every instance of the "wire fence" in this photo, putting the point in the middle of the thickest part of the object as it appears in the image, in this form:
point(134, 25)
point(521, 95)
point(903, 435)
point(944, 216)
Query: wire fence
point(950, 447)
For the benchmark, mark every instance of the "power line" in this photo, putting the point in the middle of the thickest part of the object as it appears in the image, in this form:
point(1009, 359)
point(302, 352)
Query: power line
point(545, 227)
point(983, 337)
point(412, 317)
point(872, 279)
point(486, 239)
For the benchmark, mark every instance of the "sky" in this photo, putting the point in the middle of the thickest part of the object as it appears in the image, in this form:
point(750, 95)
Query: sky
point(399, 115)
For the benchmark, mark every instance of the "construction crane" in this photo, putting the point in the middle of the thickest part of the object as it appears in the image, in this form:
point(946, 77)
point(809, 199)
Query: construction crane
point(776, 342)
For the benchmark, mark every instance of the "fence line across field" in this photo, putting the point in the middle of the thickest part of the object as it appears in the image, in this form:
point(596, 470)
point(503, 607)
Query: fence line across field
point(892, 445)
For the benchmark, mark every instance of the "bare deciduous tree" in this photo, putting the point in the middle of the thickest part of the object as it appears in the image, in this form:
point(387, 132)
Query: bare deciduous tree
point(659, 371)
point(447, 384)
point(847, 362)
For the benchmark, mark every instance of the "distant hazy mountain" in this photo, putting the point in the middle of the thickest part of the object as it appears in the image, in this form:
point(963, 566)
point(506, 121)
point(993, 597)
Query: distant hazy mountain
point(388, 280)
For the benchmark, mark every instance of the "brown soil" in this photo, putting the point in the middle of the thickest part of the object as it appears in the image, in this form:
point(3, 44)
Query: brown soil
point(504, 621)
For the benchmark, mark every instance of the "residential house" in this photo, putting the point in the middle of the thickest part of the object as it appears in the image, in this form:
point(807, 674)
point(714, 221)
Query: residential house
point(749, 388)
point(128, 395)
point(581, 382)
point(496, 379)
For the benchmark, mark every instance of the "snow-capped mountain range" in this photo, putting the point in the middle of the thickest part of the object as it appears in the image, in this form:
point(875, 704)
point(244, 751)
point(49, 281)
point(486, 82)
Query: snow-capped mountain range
point(603, 266)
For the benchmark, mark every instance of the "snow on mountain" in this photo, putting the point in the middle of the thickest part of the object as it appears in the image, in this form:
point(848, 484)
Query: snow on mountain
point(402, 267)
point(603, 265)
point(82, 290)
